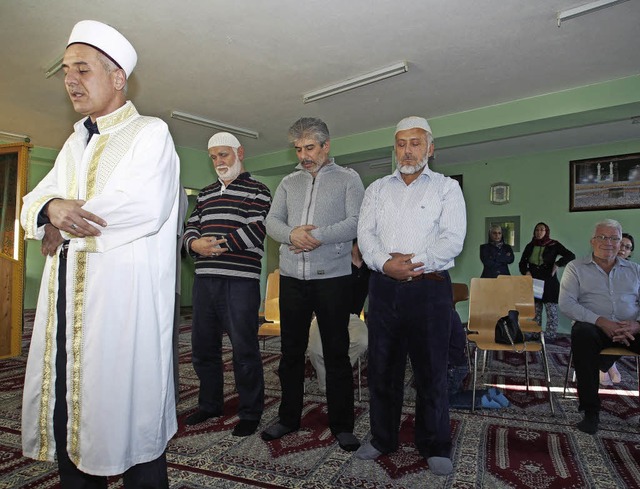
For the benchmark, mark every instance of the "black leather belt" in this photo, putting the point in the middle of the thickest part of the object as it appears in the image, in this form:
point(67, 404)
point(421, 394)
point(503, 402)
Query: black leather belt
point(437, 276)
point(426, 276)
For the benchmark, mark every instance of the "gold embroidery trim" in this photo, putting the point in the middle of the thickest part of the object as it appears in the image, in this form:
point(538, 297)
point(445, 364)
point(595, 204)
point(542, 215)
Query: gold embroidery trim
point(72, 180)
point(46, 387)
point(91, 244)
point(80, 276)
point(93, 166)
point(32, 214)
point(128, 110)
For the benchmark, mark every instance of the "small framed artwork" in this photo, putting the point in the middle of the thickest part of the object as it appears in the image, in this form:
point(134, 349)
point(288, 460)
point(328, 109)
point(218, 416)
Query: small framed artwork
point(499, 193)
point(610, 182)
point(510, 229)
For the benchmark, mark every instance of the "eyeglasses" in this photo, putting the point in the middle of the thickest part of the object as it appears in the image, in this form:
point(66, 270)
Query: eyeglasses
point(626, 247)
point(602, 237)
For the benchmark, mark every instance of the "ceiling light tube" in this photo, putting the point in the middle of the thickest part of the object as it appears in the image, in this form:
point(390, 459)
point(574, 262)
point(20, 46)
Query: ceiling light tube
point(11, 135)
point(54, 68)
point(194, 119)
point(356, 81)
point(586, 9)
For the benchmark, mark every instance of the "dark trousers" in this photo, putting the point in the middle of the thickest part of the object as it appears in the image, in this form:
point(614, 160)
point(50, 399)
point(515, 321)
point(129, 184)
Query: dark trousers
point(411, 318)
point(232, 305)
point(151, 475)
point(587, 341)
point(330, 299)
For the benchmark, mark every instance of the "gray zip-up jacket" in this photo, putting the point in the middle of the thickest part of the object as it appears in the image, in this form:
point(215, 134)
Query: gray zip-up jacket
point(331, 201)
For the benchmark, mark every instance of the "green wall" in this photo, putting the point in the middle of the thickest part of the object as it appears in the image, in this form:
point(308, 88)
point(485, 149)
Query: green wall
point(539, 182)
point(539, 192)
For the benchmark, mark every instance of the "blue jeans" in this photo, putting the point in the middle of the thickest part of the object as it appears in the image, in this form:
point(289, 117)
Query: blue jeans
point(414, 319)
point(232, 305)
point(330, 299)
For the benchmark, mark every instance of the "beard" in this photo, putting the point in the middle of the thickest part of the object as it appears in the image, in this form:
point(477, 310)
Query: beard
point(315, 168)
point(229, 173)
point(411, 169)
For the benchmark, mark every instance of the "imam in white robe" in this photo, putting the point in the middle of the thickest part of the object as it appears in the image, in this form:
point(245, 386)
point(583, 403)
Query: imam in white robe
point(120, 289)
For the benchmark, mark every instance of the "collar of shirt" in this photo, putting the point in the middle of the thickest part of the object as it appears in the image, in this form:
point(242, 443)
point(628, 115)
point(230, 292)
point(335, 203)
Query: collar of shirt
point(330, 162)
point(425, 173)
point(92, 127)
point(620, 262)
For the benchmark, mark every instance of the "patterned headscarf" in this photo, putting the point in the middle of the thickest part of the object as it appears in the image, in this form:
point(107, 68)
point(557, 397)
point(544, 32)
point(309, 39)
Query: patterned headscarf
point(546, 239)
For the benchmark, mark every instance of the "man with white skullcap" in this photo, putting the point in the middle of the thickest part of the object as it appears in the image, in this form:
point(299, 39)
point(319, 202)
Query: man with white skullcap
point(99, 393)
point(412, 226)
point(225, 235)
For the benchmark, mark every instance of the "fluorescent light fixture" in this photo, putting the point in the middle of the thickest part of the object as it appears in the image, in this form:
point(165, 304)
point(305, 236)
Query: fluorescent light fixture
point(221, 126)
point(381, 163)
point(13, 136)
point(54, 68)
point(586, 9)
point(356, 81)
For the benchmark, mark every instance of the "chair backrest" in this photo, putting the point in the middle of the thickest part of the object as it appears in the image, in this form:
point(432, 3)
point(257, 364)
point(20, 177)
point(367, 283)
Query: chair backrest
point(492, 298)
point(489, 300)
point(272, 293)
point(521, 291)
point(460, 292)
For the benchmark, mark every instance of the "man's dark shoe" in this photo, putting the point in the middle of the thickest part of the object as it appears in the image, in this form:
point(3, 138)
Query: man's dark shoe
point(589, 424)
point(347, 441)
point(200, 417)
point(245, 427)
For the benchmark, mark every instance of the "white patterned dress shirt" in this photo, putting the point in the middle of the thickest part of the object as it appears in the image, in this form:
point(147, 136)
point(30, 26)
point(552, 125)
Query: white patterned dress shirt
point(427, 218)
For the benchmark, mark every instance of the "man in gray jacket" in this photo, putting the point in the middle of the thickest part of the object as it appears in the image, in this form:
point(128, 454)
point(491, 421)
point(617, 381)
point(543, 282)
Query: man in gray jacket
point(314, 215)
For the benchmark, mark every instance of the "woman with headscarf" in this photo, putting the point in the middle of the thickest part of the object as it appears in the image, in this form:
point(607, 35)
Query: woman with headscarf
point(495, 254)
point(541, 259)
point(612, 375)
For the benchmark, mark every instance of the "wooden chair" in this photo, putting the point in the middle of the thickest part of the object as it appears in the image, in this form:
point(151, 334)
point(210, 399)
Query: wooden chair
point(521, 286)
point(460, 292)
point(271, 326)
point(618, 351)
point(489, 300)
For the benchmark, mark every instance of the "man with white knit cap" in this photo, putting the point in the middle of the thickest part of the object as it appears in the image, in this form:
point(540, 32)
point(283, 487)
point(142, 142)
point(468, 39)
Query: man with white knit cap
point(225, 236)
point(99, 393)
point(412, 226)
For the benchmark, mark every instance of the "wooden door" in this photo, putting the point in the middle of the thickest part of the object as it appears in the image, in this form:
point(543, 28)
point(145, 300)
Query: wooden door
point(13, 186)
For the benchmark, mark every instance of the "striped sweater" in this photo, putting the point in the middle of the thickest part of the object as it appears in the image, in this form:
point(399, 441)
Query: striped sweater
point(237, 213)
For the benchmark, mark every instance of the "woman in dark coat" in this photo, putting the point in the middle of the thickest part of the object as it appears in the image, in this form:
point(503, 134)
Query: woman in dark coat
point(495, 254)
point(541, 259)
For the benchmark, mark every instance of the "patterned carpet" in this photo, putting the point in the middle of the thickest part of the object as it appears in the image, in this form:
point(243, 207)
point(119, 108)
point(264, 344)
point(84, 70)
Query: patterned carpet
point(522, 446)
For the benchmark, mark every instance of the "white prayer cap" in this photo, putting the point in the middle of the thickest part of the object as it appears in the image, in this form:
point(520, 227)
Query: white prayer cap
point(223, 139)
point(413, 122)
point(107, 40)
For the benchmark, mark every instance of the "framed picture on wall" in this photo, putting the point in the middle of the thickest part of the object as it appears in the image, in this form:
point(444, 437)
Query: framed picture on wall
point(610, 182)
point(510, 229)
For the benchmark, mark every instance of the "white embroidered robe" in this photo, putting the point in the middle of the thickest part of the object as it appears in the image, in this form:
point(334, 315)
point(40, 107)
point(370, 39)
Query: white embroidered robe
point(120, 289)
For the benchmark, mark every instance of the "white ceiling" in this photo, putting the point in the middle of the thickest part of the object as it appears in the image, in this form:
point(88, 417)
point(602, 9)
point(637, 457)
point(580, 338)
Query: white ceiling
point(248, 62)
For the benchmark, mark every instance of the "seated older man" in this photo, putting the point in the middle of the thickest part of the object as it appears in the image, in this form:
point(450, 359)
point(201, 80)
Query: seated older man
point(601, 294)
